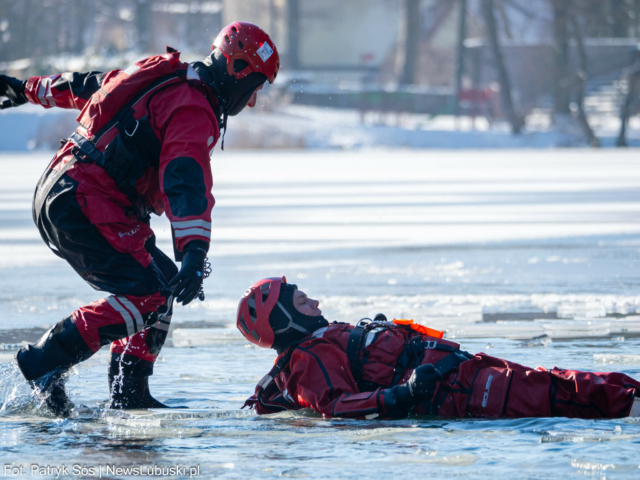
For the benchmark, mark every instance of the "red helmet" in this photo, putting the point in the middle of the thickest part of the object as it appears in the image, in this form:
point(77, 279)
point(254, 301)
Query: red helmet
point(253, 312)
point(248, 42)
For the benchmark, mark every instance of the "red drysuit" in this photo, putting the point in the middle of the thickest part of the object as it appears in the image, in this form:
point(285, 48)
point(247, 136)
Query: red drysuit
point(318, 375)
point(98, 220)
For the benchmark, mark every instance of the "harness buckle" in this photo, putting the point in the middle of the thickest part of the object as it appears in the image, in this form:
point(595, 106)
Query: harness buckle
point(134, 130)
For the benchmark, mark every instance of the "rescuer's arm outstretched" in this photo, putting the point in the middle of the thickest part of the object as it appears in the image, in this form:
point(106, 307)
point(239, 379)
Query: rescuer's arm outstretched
point(65, 90)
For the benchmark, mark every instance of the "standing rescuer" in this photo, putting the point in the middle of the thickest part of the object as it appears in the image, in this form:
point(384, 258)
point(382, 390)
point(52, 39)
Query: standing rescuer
point(142, 146)
point(393, 369)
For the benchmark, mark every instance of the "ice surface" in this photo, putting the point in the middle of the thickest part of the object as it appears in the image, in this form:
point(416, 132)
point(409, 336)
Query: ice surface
point(503, 250)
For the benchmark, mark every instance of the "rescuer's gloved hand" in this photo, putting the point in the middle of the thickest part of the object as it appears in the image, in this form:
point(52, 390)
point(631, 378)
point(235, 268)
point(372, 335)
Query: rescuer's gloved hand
point(419, 389)
point(13, 89)
point(186, 284)
point(422, 383)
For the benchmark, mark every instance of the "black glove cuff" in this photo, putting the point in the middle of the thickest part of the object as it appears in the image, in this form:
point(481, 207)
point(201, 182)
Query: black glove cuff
point(197, 247)
point(398, 401)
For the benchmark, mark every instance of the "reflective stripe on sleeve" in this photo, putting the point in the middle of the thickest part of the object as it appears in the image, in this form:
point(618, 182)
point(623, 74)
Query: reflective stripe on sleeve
point(191, 223)
point(192, 227)
point(44, 92)
point(193, 231)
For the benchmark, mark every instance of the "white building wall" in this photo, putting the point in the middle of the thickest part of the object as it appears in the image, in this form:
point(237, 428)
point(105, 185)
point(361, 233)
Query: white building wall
point(333, 33)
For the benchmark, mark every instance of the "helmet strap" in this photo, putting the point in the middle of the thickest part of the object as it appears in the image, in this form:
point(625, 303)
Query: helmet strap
point(292, 325)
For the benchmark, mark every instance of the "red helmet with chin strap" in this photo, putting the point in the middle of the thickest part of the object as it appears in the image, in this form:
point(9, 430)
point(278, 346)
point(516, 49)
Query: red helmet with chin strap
point(248, 42)
point(254, 310)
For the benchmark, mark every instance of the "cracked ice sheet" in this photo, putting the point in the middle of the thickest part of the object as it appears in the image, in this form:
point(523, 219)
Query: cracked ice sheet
point(411, 233)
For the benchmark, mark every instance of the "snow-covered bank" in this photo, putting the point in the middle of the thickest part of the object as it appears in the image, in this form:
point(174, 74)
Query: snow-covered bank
point(296, 127)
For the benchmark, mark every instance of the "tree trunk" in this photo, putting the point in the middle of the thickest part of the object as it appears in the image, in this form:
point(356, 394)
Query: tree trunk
point(503, 76)
point(293, 34)
point(633, 78)
point(462, 33)
point(143, 24)
point(619, 18)
point(562, 91)
point(408, 41)
point(581, 81)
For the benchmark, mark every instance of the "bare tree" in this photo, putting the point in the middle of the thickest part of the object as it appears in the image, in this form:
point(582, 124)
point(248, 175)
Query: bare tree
point(633, 78)
point(408, 41)
point(462, 34)
point(143, 23)
point(503, 76)
point(581, 76)
point(562, 91)
point(293, 34)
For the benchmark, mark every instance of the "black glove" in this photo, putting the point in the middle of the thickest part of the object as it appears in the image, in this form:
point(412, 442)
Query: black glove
point(419, 389)
point(13, 89)
point(186, 284)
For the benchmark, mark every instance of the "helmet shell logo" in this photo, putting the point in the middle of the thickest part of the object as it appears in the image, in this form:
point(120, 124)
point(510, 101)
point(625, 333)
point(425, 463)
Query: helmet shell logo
point(265, 52)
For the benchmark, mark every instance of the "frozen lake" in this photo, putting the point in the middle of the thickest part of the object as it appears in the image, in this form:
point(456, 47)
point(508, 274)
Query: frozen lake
point(495, 247)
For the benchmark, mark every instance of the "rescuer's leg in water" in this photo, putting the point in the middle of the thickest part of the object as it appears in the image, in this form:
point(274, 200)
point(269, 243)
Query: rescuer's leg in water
point(132, 358)
point(112, 251)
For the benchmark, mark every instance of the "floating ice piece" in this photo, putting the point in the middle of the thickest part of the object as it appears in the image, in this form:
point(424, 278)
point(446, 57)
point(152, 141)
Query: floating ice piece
point(541, 341)
point(511, 330)
point(445, 322)
point(202, 337)
point(587, 309)
point(576, 328)
point(628, 325)
point(611, 358)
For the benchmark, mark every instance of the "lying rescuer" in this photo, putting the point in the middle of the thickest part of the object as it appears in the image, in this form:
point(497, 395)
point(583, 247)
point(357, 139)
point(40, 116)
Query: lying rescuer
point(393, 369)
point(143, 144)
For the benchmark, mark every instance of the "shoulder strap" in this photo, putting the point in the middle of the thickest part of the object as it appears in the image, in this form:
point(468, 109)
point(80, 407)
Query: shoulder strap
point(355, 339)
point(88, 147)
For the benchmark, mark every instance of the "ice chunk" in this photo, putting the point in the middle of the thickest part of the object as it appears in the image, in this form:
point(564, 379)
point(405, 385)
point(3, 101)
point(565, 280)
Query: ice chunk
point(627, 325)
point(201, 337)
point(541, 341)
point(576, 328)
point(611, 358)
point(512, 330)
point(586, 309)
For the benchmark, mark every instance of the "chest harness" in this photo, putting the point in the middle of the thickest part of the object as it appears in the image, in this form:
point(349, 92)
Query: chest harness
point(410, 358)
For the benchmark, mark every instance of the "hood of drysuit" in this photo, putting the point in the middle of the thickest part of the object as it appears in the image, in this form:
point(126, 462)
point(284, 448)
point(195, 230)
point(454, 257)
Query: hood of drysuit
point(233, 94)
point(288, 324)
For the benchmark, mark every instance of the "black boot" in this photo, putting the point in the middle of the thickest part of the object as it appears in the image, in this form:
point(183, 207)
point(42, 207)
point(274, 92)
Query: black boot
point(44, 363)
point(50, 388)
point(129, 383)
